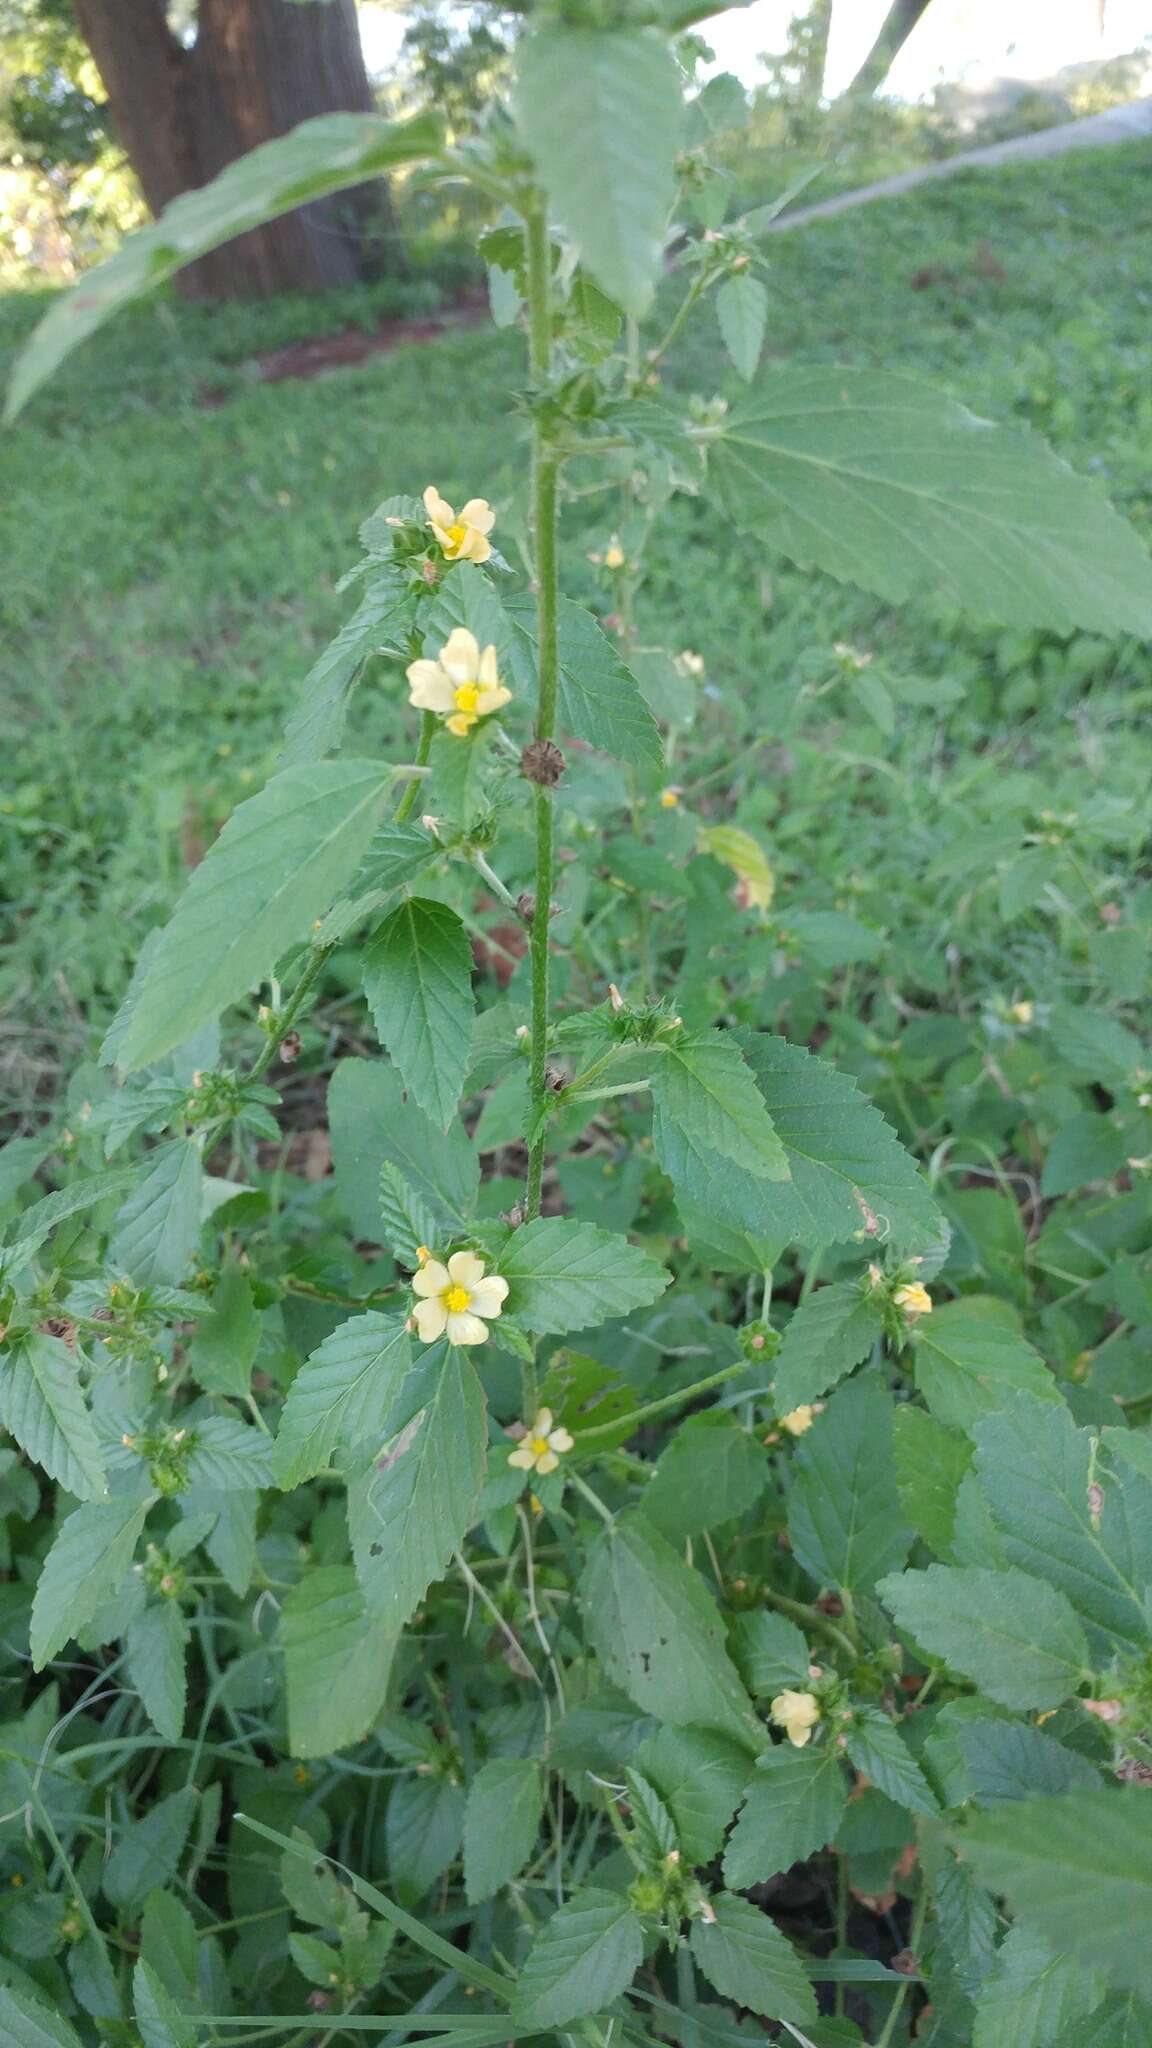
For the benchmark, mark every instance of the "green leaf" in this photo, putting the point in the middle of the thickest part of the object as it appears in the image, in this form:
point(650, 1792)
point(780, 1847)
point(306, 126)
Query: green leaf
point(582, 1959)
point(931, 1461)
point(37, 1223)
point(602, 112)
point(1013, 1636)
point(408, 1221)
point(88, 1560)
point(337, 1661)
point(396, 855)
point(747, 1958)
point(708, 1113)
point(342, 1394)
point(598, 697)
point(793, 1809)
point(1037, 1470)
point(712, 1471)
point(830, 1333)
point(564, 1275)
point(969, 1358)
point(224, 1344)
point(159, 2018)
point(1009, 1760)
point(169, 1943)
point(890, 484)
point(1031, 1994)
point(501, 1823)
point(158, 1228)
point(770, 1652)
point(156, 1642)
point(1088, 1147)
point(148, 1853)
point(1122, 2021)
point(324, 155)
point(423, 1829)
point(742, 311)
point(418, 981)
point(28, 2024)
point(277, 865)
point(878, 1749)
point(701, 1777)
point(316, 727)
point(1076, 1868)
point(843, 1520)
point(656, 1631)
point(413, 1504)
point(225, 1453)
point(371, 1120)
point(42, 1405)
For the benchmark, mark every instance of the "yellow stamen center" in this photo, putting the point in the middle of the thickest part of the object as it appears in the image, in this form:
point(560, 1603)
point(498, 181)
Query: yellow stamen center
point(467, 697)
point(456, 1300)
point(539, 1444)
point(457, 534)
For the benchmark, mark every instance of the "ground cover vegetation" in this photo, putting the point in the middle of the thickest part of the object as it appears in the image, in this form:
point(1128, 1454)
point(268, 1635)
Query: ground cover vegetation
point(577, 1294)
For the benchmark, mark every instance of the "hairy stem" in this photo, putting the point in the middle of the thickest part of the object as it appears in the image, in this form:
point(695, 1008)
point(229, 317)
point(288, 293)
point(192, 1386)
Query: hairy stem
point(545, 469)
point(407, 803)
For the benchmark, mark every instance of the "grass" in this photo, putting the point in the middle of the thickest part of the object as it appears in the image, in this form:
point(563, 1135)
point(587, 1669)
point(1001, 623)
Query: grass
point(170, 572)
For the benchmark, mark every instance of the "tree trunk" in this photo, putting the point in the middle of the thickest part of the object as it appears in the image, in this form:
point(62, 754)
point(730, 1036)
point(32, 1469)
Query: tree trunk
point(255, 69)
point(899, 22)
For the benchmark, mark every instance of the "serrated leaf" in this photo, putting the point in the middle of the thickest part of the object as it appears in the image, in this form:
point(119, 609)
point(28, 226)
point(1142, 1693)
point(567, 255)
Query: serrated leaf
point(1031, 1994)
point(967, 1920)
point(770, 1652)
point(931, 1461)
point(224, 1344)
point(711, 1472)
point(1037, 1469)
point(316, 727)
point(742, 311)
point(148, 1852)
point(371, 1120)
point(337, 1661)
point(156, 1642)
point(602, 113)
point(158, 1228)
point(407, 1219)
point(582, 1958)
point(598, 697)
point(792, 1809)
point(970, 1358)
point(418, 980)
point(37, 1223)
point(701, 1777)
point(1009, 1760)
point(396, 855)
point(159, 2018)
point(501, 1824)
point(830, 1333)
point(90, 1556)
point(423, 1827)
point(878, 1749)
point(745, 1956)
point(1076, 1868)
point(28, 2024)
point(42, 1405)
point(1014, 1636)
point(413, 1504)
point(890, 484)
point(655, 1628)
point(324, 155)
point(277, 865)
point(843, 1518)
point(225, 1453)
point(563, 1275)
point(342, 1394)
point(169, 1943)
point(708, 1114)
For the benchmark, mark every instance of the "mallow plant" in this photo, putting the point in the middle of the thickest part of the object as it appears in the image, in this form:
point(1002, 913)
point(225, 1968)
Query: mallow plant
point(446, 1598)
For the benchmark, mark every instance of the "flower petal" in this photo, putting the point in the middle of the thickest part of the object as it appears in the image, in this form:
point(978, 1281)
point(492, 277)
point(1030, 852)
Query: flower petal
point(522, 1457)
point(460, 655)
point(543, 1422)
point(490, 698)
point(487, 672)
point(466, 1329)
point(431, 1320)
point(429, 688)
point(466, 1269)
point(432, 1278)
point(560, 1439)
point(488, 1296)
point(437, 508)
point(460, 724)
point(547, 1463)
point(478, 512)
point(474, 547)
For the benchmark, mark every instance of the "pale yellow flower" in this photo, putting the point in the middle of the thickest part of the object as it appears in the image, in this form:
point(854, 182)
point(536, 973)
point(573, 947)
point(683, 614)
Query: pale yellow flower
point(797, 1713)
point(462, 687)
point(542, 1448)
point(463, 538)
point(614, 554)
point(799, 1420)
point(456, 1300)
point(669, 799)
point(1022, 1013)
point(914, 1299)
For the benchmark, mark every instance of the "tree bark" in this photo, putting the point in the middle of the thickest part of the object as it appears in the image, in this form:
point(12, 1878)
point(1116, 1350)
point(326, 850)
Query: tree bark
point(255, 68)
point(899, 22)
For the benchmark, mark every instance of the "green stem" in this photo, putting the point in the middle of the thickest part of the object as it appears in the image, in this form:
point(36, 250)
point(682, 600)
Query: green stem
point(915, 1934)
point(407, 803)
point(545, 472)
point(812, 1618)
point(664, 1406)
point(289, 1014)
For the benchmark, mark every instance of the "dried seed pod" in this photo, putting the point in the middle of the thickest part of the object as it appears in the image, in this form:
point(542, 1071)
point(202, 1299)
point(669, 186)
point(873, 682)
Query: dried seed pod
point(543, 763)
point(290, 1048)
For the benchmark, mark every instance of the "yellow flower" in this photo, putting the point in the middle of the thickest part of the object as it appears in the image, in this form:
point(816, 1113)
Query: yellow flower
point(1022, 1013)
point(797, 1713)
point(463, 539)
point(669, 799)
point(456, 1299)
point(614, 554)
point(541, 1450)
point(462, 687)
point(799, 1420)
point(914, 1299)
